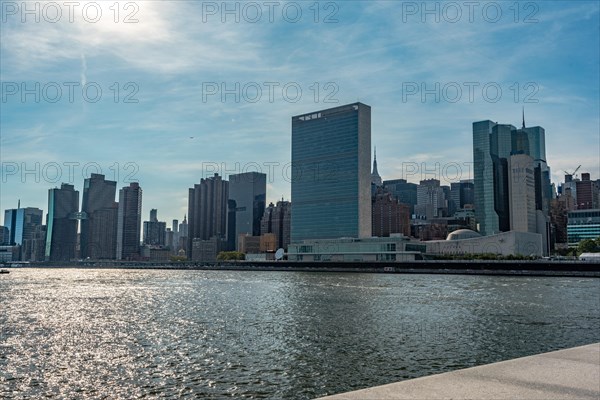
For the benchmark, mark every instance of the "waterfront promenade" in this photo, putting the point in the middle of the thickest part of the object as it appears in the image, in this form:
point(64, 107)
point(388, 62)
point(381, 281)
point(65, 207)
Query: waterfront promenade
point(565, 374)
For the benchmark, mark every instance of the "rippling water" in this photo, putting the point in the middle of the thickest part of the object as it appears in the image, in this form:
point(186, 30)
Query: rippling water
point(69, 333)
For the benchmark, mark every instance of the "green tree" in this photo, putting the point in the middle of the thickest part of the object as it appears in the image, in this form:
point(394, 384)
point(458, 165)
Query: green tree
point(588, 246)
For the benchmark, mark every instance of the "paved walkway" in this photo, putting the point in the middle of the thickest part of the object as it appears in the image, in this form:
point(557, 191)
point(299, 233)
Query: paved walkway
point(565, 374)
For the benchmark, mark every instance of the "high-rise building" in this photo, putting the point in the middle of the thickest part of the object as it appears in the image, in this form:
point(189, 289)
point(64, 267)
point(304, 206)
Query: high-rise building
point(375, 178)
point(587, 193)
point(98, 236)
point(154, 215)
point(389, 215)
point(277, 220)
point(182, 235)
point(431, 200)
point(10, 223)
point(246, 205)
point(331, 179)
point(404, 191)
point(129, 221)
point(33, 248)
point(175, 230)
point(461, 194)
point(521, 187)
point(4, 236)
point(154, 230)
point(493, 145)
point(61, 234)
point(207, 208)
point(22, 223)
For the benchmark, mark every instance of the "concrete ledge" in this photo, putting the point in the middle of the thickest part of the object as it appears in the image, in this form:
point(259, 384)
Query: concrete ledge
point(565, 374)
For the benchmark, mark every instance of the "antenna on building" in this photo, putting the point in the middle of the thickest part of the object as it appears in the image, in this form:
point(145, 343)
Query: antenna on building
point(523, 117)
point(19, 203)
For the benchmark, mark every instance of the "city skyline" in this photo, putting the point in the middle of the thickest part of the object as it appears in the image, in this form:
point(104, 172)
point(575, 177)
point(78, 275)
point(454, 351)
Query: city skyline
point(441, 173)
point(175, 131)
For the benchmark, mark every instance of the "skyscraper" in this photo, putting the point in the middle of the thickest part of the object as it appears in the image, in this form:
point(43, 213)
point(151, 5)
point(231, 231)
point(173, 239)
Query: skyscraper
point(182, 235)
point(154, 230)
point(522, 193)
point(493, 146)
point(404, 191)
point(22, 223)
point(99, 226)
point(389, 215)
point(129, 222)
point(207, 208)
point(331, 179)
point(587, 193)
point(375, 178)
point(61, 235)
point(246, 205)
point(431, 199)
point(277, 220)
point(461, 193)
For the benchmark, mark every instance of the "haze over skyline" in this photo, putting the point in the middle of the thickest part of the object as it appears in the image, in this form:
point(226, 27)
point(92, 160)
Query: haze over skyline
point(176, 58)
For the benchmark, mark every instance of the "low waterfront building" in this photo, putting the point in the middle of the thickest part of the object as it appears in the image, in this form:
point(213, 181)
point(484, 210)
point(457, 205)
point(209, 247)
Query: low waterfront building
point(248, 244)
point(583, 224)
point(207, 250)
point(9, 253)
point(372, 249)
point(156, 253)
point(466, 241)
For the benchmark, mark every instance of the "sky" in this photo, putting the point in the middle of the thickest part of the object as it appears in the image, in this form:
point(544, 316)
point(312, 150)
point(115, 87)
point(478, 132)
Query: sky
point(168, 92)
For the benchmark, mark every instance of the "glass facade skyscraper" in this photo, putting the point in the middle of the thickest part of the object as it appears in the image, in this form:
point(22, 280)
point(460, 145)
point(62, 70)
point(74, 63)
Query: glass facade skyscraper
point(246, 205)
point(98, 237)
point(493, 146)
point(61, 236)
point(21, 223)
point(331, 177)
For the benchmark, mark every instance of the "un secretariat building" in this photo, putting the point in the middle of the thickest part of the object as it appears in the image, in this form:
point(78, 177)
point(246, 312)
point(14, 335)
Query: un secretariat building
point(331, 177)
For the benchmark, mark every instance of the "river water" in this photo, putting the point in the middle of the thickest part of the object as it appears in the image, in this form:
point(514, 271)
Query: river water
point(75, 333)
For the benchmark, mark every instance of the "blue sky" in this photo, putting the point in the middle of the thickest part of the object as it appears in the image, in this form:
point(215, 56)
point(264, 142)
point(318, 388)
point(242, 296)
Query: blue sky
point(380, 53)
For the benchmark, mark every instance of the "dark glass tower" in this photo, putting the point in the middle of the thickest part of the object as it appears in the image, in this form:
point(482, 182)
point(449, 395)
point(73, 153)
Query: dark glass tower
point(22, 223)
point(98, 237)
point(331, 177)
point(246, 205)
point(129, 221)
point(61, 236)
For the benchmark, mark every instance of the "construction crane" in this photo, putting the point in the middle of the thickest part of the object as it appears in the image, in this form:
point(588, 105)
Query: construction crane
point(574, 172)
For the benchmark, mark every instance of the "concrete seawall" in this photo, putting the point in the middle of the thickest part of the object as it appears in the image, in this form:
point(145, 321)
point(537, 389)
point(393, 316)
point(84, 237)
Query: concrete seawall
point(565, 374)
point(480, 267)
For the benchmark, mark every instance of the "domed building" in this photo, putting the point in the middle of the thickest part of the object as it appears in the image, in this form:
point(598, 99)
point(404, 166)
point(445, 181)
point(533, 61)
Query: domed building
point(462, 234)
point(466, 241)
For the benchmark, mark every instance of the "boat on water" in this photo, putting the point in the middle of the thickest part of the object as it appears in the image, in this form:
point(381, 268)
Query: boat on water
point(4, 271)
